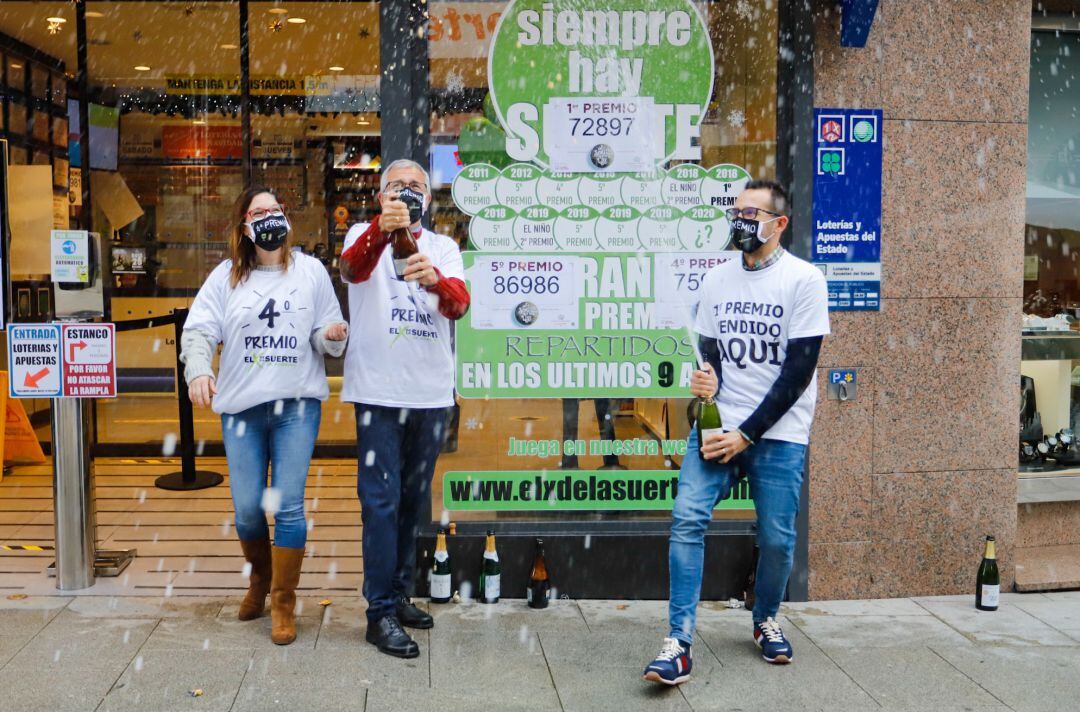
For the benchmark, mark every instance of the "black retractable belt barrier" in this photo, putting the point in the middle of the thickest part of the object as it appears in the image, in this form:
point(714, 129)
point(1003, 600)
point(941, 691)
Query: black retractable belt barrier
point(188, 478)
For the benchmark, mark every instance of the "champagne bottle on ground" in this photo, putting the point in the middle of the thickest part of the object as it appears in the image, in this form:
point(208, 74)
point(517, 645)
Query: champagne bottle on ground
point(708, 421)
point(539, 585)
point(491, 573)
point(440, 572)
point(988, 583)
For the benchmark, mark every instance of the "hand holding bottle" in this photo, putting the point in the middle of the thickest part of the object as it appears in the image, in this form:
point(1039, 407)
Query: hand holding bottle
point(723, 446)
point(395, 213)
point(420, 269)
point(703, 382)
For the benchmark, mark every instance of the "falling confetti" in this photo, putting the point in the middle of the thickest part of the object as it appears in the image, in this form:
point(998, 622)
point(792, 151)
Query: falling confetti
point(271, 500)
point(168, 445)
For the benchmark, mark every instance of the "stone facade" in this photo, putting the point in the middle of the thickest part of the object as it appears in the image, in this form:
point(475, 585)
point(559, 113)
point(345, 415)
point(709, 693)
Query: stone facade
point(907, 480)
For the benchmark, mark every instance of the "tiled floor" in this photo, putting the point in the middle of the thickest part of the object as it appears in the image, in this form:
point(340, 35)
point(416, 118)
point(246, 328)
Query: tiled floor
point(904, 655)
point(185, 540)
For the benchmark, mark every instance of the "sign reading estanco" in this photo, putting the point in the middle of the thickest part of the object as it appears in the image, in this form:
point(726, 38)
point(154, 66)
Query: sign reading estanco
point(623, 72)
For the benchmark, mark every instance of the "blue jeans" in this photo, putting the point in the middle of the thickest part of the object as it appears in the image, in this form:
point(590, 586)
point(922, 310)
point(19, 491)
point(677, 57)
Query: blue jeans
point(396, 449)
point(775, 472)
point(280, 436)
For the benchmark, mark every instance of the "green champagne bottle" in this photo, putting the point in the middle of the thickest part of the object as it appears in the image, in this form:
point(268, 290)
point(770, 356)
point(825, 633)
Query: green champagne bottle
point(708, 421)
point(491, 573)
point(988, 582)
point(440, 572)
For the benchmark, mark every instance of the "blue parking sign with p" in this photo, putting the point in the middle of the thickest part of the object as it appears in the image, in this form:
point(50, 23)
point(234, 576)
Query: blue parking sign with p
point(842, 376)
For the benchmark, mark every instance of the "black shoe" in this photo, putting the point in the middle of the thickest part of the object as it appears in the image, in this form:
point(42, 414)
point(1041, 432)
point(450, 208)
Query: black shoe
point(411, 616)
point(389, 638)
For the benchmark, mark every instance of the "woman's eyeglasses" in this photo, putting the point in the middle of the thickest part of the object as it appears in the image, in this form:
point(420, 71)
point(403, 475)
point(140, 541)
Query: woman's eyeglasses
point(260, 213)
point(748, 213)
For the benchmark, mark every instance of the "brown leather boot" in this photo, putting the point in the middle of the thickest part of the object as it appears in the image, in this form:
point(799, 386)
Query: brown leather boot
point(283, 594)
point(257, 553)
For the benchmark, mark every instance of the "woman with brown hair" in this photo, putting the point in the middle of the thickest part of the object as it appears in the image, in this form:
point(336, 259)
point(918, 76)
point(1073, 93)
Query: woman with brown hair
point(275, 312)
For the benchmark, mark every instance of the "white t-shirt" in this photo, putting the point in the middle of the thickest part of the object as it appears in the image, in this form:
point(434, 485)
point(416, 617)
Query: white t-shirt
point(400, 352)
point(752, 315)
point(265, 324)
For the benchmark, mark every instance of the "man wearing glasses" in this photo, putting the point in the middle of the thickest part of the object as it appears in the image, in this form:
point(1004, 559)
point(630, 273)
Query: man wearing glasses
point(399, 374)
point(760, 321)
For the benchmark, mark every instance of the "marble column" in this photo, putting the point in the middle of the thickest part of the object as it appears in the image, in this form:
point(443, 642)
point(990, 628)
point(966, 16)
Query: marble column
point(907, 480)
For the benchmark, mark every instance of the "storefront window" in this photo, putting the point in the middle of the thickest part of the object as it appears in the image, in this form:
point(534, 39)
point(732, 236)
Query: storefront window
point(315, 135)
point(1050, 371)
point(171, 74)
point(164, 78)
point(500, 438)
point(37, 63)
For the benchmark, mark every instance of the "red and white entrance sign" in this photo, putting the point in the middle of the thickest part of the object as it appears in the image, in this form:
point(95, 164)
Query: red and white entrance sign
point(89, 357)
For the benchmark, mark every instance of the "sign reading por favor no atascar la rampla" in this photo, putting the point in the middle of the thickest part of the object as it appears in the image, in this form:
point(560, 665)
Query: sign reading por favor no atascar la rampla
point(62, 360)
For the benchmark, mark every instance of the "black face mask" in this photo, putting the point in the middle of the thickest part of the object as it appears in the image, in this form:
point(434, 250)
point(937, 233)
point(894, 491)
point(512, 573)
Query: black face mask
point(269, 232)
point(415, 200)
point(746, 234)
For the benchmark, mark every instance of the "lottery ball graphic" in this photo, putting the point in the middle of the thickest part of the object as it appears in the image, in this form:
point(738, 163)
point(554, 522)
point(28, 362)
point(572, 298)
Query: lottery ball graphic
point(526, 314)
point(863, 131)
point(601, 156)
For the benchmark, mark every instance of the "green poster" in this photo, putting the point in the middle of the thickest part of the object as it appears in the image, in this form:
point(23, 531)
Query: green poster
point(619, 85)
point(584, 286)
point(592, 226)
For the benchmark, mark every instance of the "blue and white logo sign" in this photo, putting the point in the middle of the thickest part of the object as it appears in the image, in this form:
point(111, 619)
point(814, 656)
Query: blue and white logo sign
point(847, 206)
point(70, 256)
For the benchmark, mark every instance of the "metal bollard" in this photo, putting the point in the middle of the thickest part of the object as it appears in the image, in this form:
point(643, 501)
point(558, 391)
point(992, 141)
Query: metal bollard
point(73, 496)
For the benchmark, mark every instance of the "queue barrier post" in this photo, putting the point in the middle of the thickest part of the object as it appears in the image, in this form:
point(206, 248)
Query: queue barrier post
point(188, 478)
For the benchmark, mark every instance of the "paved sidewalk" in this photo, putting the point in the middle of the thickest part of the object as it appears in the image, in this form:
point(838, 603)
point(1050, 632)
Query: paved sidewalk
point(147, 654)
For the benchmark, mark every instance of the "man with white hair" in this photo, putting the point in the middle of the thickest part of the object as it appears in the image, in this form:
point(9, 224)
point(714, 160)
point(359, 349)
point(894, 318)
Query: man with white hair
point(399, 374)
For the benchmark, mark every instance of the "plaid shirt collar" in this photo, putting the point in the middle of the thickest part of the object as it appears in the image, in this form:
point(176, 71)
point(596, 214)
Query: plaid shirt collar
point(762, 264)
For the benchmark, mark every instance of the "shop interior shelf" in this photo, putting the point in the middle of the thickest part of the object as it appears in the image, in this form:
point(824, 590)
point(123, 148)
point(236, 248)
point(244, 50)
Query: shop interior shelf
point(1051, 346)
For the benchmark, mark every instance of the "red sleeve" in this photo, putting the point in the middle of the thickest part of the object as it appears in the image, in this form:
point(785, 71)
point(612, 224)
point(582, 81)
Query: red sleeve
point(362, 256)
point(453, 296)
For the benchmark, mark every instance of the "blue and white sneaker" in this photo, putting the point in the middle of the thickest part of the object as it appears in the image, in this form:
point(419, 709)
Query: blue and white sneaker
point(775, 648)
point(673, 665)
